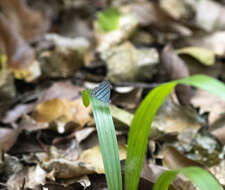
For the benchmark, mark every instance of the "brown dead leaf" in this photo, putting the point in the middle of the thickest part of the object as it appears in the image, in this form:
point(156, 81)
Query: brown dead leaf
point(84, 133)
point(175, 160)
point(177, 9)
point(61, 110)
point(93, 157)
point(61, 90)
point(68, 150)
point(213, 41)
point(220, 132)
point(174, 68)
point(8, 138)
point(209, 103)
point(19, 54)
point(29, 177)
point(64, 169)
point(128, 100)
point(29, 23)
point(173, 117)
point(219, 171)
point(18, 24)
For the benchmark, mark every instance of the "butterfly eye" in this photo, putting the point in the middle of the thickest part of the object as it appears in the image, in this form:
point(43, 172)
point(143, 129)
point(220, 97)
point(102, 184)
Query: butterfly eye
point(102, 92)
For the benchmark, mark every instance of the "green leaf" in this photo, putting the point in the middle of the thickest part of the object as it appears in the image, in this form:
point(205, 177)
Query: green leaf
point(141, 124)
point(85, 97)
point(201, 178)
point(108, 19)
point(198, 176)
point(206, 83)
point(204, 56)
point(139, 132)
point(108, 143)
point(164, 180)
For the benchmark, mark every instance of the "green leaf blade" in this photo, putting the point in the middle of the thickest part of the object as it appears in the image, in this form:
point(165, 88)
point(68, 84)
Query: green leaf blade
point(164, 180)
point(108, 143)
point(141, 124)
point(139, 132)
point(206, 83)
point(198, 176)
point(201, 178)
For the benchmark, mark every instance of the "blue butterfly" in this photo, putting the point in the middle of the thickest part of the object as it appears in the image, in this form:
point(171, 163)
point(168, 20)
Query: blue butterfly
point(102, 91)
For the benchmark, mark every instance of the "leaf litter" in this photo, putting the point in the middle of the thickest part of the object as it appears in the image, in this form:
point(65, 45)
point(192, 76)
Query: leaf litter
point(50, 50)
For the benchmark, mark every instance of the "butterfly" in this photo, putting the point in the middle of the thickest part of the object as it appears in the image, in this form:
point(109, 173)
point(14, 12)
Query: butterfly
point(102, 91)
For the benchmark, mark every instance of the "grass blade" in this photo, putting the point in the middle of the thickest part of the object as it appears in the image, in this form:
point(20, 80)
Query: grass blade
point(108, 143)
point(139, 132)
point(199, 177)
point(164, 180)
point(205, 83)
point(141, 124)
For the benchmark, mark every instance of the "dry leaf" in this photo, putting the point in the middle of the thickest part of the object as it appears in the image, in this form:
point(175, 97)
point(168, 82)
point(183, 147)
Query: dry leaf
point(63, 111)
point(93, 157)
point(204, 56)
point(8, 138)
point(30, 177)
point(175, 160)
point(219, 172)
point(64, 169)
point(173, 68)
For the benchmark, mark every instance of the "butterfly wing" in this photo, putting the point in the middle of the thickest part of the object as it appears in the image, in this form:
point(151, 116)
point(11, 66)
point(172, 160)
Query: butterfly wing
point(102, 92)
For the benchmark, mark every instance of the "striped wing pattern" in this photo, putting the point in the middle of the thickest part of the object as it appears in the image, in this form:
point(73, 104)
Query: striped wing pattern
point(102, 92)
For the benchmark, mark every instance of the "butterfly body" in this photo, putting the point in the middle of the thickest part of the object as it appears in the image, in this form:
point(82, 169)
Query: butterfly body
point(102, 92)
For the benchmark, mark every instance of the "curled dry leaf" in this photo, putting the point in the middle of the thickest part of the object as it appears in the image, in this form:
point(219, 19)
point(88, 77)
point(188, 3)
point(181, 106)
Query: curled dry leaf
point(93, 157)
point(174, 68)
point(204, 56)
point(213, 41)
